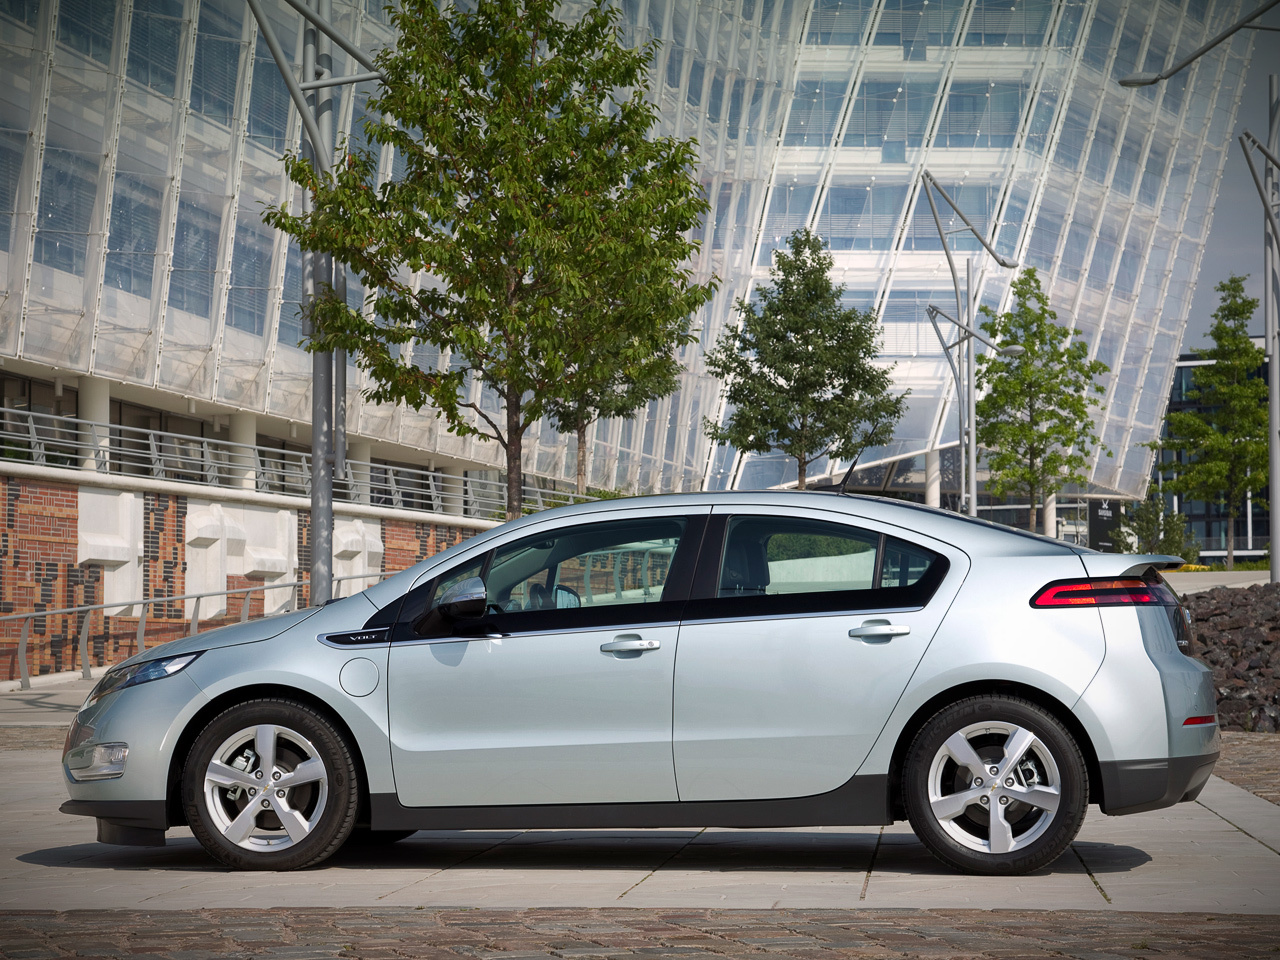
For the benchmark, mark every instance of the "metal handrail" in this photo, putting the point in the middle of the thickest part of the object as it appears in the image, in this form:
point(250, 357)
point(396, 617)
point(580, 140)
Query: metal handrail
point(49, 440)
point(24, 672)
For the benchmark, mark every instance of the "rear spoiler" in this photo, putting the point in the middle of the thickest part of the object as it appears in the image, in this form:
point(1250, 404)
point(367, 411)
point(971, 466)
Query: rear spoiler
point(1127, 565)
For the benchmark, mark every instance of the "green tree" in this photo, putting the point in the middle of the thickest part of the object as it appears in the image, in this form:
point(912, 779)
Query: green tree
point(1222, 445)
point(800, 372)
point(1034, 418)
point(622, 367)
point(531, 186)
point(1148, 528)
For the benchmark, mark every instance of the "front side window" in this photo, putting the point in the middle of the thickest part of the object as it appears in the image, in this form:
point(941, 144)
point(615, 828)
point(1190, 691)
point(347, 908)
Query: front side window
point(589, 575)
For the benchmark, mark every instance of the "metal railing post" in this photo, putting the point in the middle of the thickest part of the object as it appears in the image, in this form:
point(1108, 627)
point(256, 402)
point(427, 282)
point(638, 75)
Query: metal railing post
point(141, 643)
point(195, 617)
point(84, 646)
point(244, 607)
point(24, 674)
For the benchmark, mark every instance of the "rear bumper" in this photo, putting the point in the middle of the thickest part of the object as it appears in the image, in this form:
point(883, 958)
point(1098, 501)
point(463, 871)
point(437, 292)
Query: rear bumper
point(1134, 786)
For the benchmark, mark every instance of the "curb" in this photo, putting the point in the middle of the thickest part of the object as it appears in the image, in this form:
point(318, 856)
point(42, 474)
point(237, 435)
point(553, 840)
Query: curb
point(51, 679)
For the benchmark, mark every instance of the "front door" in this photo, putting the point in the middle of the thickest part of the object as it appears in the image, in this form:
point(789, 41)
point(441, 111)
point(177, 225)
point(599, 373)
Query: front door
point(562, 692)
point(791, 664)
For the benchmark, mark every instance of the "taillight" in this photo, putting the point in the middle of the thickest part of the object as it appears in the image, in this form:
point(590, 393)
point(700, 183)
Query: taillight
point(1129, 591)
point(1197, 721)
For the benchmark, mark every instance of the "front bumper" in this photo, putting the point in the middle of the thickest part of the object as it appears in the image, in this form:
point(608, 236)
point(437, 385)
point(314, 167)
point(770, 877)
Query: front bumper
point(1134, 786)
point(133, 823)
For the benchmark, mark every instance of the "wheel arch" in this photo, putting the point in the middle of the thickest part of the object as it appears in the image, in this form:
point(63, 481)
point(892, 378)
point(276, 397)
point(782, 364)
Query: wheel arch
point(231, 698)
point(976, 688)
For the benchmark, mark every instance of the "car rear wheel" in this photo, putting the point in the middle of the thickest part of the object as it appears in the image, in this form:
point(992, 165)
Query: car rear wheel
point(270, 785)
point(995, 785)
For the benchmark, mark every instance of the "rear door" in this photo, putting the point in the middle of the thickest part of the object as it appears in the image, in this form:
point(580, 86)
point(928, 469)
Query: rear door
point(802, 633)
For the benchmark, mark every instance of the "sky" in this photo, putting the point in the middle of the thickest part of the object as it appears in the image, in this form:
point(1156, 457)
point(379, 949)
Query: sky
point(1235, 239)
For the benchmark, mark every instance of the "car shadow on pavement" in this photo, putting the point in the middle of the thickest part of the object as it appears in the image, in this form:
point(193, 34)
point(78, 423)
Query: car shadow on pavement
point(719, 852)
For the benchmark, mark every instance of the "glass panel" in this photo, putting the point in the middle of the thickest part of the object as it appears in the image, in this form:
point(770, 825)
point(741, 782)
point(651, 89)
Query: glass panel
point(135, 230)
point(68, 186)
point(772, 556)
point(891, 109)
point(815, 110)
point(213, 81)
point(87, 26)
point(269, 102)
point(999, 23)
point(154, 37)
point(605, 564)
point(838, 22)
point(195, 250)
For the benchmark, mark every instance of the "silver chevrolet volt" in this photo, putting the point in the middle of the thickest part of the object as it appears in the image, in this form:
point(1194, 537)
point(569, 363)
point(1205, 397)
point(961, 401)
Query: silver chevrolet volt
point(738, 660)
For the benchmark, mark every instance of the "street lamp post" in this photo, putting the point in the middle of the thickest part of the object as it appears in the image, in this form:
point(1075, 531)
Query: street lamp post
point(967, 394)
point(1270, 253)
point(968, 357)
point(315, 104)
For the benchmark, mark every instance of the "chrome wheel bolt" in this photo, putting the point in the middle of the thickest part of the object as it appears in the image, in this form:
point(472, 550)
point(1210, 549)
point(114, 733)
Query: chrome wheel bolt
point(258, 774)
point(1008, 781)
point(280, 793)
point(276, 775)
point(984, 801)
point(1004, 800)
point(977, 781)
point(994, 770)
point(253, 791)
point(266, 803)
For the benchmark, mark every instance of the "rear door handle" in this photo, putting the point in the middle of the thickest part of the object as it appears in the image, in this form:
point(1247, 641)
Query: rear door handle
point(629, 643)
point(879, 631)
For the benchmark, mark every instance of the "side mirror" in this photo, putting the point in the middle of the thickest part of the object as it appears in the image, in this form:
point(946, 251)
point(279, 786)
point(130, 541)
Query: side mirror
point(465, 600)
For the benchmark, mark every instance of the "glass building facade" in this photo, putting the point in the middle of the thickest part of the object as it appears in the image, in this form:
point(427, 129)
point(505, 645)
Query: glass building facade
point(141, 139)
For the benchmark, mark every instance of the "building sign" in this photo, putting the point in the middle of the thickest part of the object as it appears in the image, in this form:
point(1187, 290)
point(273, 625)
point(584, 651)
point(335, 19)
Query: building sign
point(1104, 517)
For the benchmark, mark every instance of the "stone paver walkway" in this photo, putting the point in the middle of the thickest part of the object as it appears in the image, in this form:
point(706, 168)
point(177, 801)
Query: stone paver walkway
point(684, 934)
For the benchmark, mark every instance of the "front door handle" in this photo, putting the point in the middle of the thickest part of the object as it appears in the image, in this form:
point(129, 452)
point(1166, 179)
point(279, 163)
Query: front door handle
point(879, 631)
point(629, 643)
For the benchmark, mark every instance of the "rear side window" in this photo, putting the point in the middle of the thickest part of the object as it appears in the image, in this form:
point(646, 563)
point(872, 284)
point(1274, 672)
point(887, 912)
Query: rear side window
point(776, 565)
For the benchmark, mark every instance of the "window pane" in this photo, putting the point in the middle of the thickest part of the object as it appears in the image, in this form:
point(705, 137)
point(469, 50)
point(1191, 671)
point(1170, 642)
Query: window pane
point(594, 565)
point(767, 556)
point(904, 564)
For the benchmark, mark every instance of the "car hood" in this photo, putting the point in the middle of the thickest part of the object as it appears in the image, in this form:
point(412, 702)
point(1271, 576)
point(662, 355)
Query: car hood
point(229, 636)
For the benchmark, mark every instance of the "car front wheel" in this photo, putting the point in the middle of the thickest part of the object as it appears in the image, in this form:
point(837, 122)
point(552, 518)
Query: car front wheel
point(995, 785)
point(270, 785)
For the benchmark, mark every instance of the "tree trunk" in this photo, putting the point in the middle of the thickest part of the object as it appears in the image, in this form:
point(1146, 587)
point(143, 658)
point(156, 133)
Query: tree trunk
point(582, 459)
point(515, 470)
point(801, 473)
point(1231, 541)
point(1031, 523)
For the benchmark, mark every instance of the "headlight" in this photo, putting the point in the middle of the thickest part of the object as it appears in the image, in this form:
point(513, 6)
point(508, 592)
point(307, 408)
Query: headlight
point(137, 673)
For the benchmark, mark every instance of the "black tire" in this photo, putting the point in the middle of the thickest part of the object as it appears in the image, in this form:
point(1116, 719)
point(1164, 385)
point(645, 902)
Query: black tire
point(976, 826)
point(306, 813)
point(364, 837)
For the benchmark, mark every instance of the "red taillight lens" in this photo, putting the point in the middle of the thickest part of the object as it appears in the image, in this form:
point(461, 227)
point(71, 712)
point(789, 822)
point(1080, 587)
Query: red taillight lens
point(1099, 593)
point(1197, 721)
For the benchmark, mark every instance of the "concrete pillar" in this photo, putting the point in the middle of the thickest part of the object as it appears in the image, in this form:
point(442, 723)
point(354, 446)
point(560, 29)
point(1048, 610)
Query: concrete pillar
point(359, 453)
point(1051, 516)
point(452, 494)
point(244, 430)
point(933, 478)
point(94, 405)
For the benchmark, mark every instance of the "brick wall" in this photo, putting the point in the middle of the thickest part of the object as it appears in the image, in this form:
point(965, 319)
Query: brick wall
point(405, 543)
point(38, 571)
